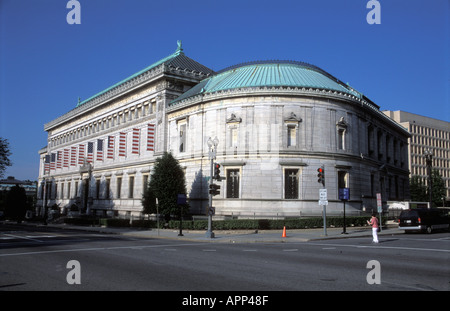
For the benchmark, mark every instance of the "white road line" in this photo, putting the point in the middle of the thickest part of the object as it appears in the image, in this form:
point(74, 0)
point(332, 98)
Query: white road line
point(93, 249)
point(290, 250)
point(23, 237)
point(378, 246)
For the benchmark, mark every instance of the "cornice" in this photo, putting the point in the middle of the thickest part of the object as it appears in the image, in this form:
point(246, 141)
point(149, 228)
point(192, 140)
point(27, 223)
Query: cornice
point(284, 91)
point(126, 87)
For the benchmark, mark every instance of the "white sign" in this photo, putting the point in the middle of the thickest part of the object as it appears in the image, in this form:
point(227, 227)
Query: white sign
point(323, 197)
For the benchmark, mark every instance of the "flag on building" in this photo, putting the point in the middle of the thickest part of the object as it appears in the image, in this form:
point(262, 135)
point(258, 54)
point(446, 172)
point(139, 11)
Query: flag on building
point(66, 158)
point(99, 149)
point(53, 161)
point(59, 159)
point(136, 141)
point(110, 154)
point(151, 137)
point(90, 152)
point(73, 156)
point(81, 150)
point(122, 144)
point(47, 164)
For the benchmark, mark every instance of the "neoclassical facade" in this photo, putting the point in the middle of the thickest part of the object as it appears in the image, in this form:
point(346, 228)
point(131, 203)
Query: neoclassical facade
point(276, 122)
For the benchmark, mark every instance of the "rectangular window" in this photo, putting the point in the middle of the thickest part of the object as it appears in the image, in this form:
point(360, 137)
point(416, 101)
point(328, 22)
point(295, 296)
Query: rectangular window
point(119, 186)
point(107, 188)
point(233, 183)
point(97, 188)
point(342, 179)
point(291, 183)
point(341, 139)
point(131, 187)
point(182, 134)
point(291, 136)
point(234, 136)
point(144, 183)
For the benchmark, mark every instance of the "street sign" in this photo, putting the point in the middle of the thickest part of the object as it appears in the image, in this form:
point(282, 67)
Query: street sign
point(323, 197)
point(379, 204)
point(181, 199)
point(212, 211)
point(344, 194)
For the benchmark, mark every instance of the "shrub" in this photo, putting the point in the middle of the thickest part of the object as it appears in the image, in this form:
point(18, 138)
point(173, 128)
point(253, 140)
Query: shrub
point(267, 224)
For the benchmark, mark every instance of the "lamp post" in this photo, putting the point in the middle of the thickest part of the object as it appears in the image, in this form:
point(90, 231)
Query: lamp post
point(429, 161)
point(212, 145)
point(86, 168)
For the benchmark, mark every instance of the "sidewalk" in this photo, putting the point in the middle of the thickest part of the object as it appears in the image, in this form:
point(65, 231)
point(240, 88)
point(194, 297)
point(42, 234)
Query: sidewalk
point(239, 236)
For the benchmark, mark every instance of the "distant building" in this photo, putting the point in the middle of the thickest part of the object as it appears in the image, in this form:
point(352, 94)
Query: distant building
point(29, 186)
point(277, 122)
point(426, 133)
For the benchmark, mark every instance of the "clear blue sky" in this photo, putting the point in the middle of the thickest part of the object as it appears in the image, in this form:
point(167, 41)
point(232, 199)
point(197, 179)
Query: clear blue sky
point(46, 64)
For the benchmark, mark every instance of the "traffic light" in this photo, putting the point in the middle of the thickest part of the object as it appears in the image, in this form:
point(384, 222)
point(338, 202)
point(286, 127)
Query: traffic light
point(321, 175)
point(214, 189)
point(216, 171)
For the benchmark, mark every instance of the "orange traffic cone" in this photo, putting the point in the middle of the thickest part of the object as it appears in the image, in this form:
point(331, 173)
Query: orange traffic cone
point(284, 232)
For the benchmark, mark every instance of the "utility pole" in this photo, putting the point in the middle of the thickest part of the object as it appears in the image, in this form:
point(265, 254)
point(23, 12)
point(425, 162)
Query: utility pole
point(323, 197)
point(429, 161)
point(212, 144)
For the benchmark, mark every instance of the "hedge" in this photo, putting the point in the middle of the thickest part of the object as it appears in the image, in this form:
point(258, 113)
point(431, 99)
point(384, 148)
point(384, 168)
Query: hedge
point(110, 222)
point(233, 224)
point(268, 224)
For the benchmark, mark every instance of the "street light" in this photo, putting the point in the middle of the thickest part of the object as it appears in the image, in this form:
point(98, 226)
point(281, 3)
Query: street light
point(429, 160)
point(212, 144)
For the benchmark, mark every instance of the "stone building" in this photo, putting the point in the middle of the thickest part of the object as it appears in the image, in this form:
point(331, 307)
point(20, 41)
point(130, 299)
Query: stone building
point(426, 133)
point(277, 122)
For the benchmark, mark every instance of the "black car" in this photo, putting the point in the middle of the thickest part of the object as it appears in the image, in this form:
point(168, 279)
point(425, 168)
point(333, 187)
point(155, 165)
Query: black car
point(424, 219)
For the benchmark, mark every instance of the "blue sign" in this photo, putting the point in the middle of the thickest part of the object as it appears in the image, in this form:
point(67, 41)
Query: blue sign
point(344, 193)
point(181, 199)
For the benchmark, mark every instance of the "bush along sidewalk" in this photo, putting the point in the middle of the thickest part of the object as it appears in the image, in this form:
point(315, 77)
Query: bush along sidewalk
point(232, 224)
point(269, 224)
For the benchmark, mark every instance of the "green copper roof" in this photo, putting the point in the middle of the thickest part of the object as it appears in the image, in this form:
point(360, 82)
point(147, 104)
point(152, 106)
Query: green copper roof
point(177, 60)
point(270, 74)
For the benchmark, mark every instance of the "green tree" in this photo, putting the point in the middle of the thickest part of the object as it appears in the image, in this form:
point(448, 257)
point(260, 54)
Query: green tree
point(4, 155)
point(418, 189)
point(420, 192)
point(166, 182)
point(16, 203)
point(438, 188)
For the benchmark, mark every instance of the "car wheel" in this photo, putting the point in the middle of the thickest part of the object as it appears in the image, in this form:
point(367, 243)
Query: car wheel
point(429, 230)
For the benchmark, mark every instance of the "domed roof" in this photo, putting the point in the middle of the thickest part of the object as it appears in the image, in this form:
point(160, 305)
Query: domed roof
point(269, 74)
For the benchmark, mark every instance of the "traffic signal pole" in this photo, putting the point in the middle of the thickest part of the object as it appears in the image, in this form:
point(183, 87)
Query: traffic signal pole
point(209, 233)
point(321, 176)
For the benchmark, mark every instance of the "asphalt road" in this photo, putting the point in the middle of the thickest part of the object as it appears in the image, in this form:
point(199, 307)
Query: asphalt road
point(37, 259)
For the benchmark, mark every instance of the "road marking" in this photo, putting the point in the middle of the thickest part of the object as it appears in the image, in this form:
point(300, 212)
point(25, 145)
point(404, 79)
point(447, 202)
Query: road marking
point(249, 250)
point(290, 250)
point(378, 246)
point(23, 237)
point(328, 247)
point(41, 236)
point(94, 249)
point(209, 250)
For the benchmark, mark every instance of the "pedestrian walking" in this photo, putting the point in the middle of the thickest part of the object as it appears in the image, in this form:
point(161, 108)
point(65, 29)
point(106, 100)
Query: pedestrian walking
point(375, 226)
